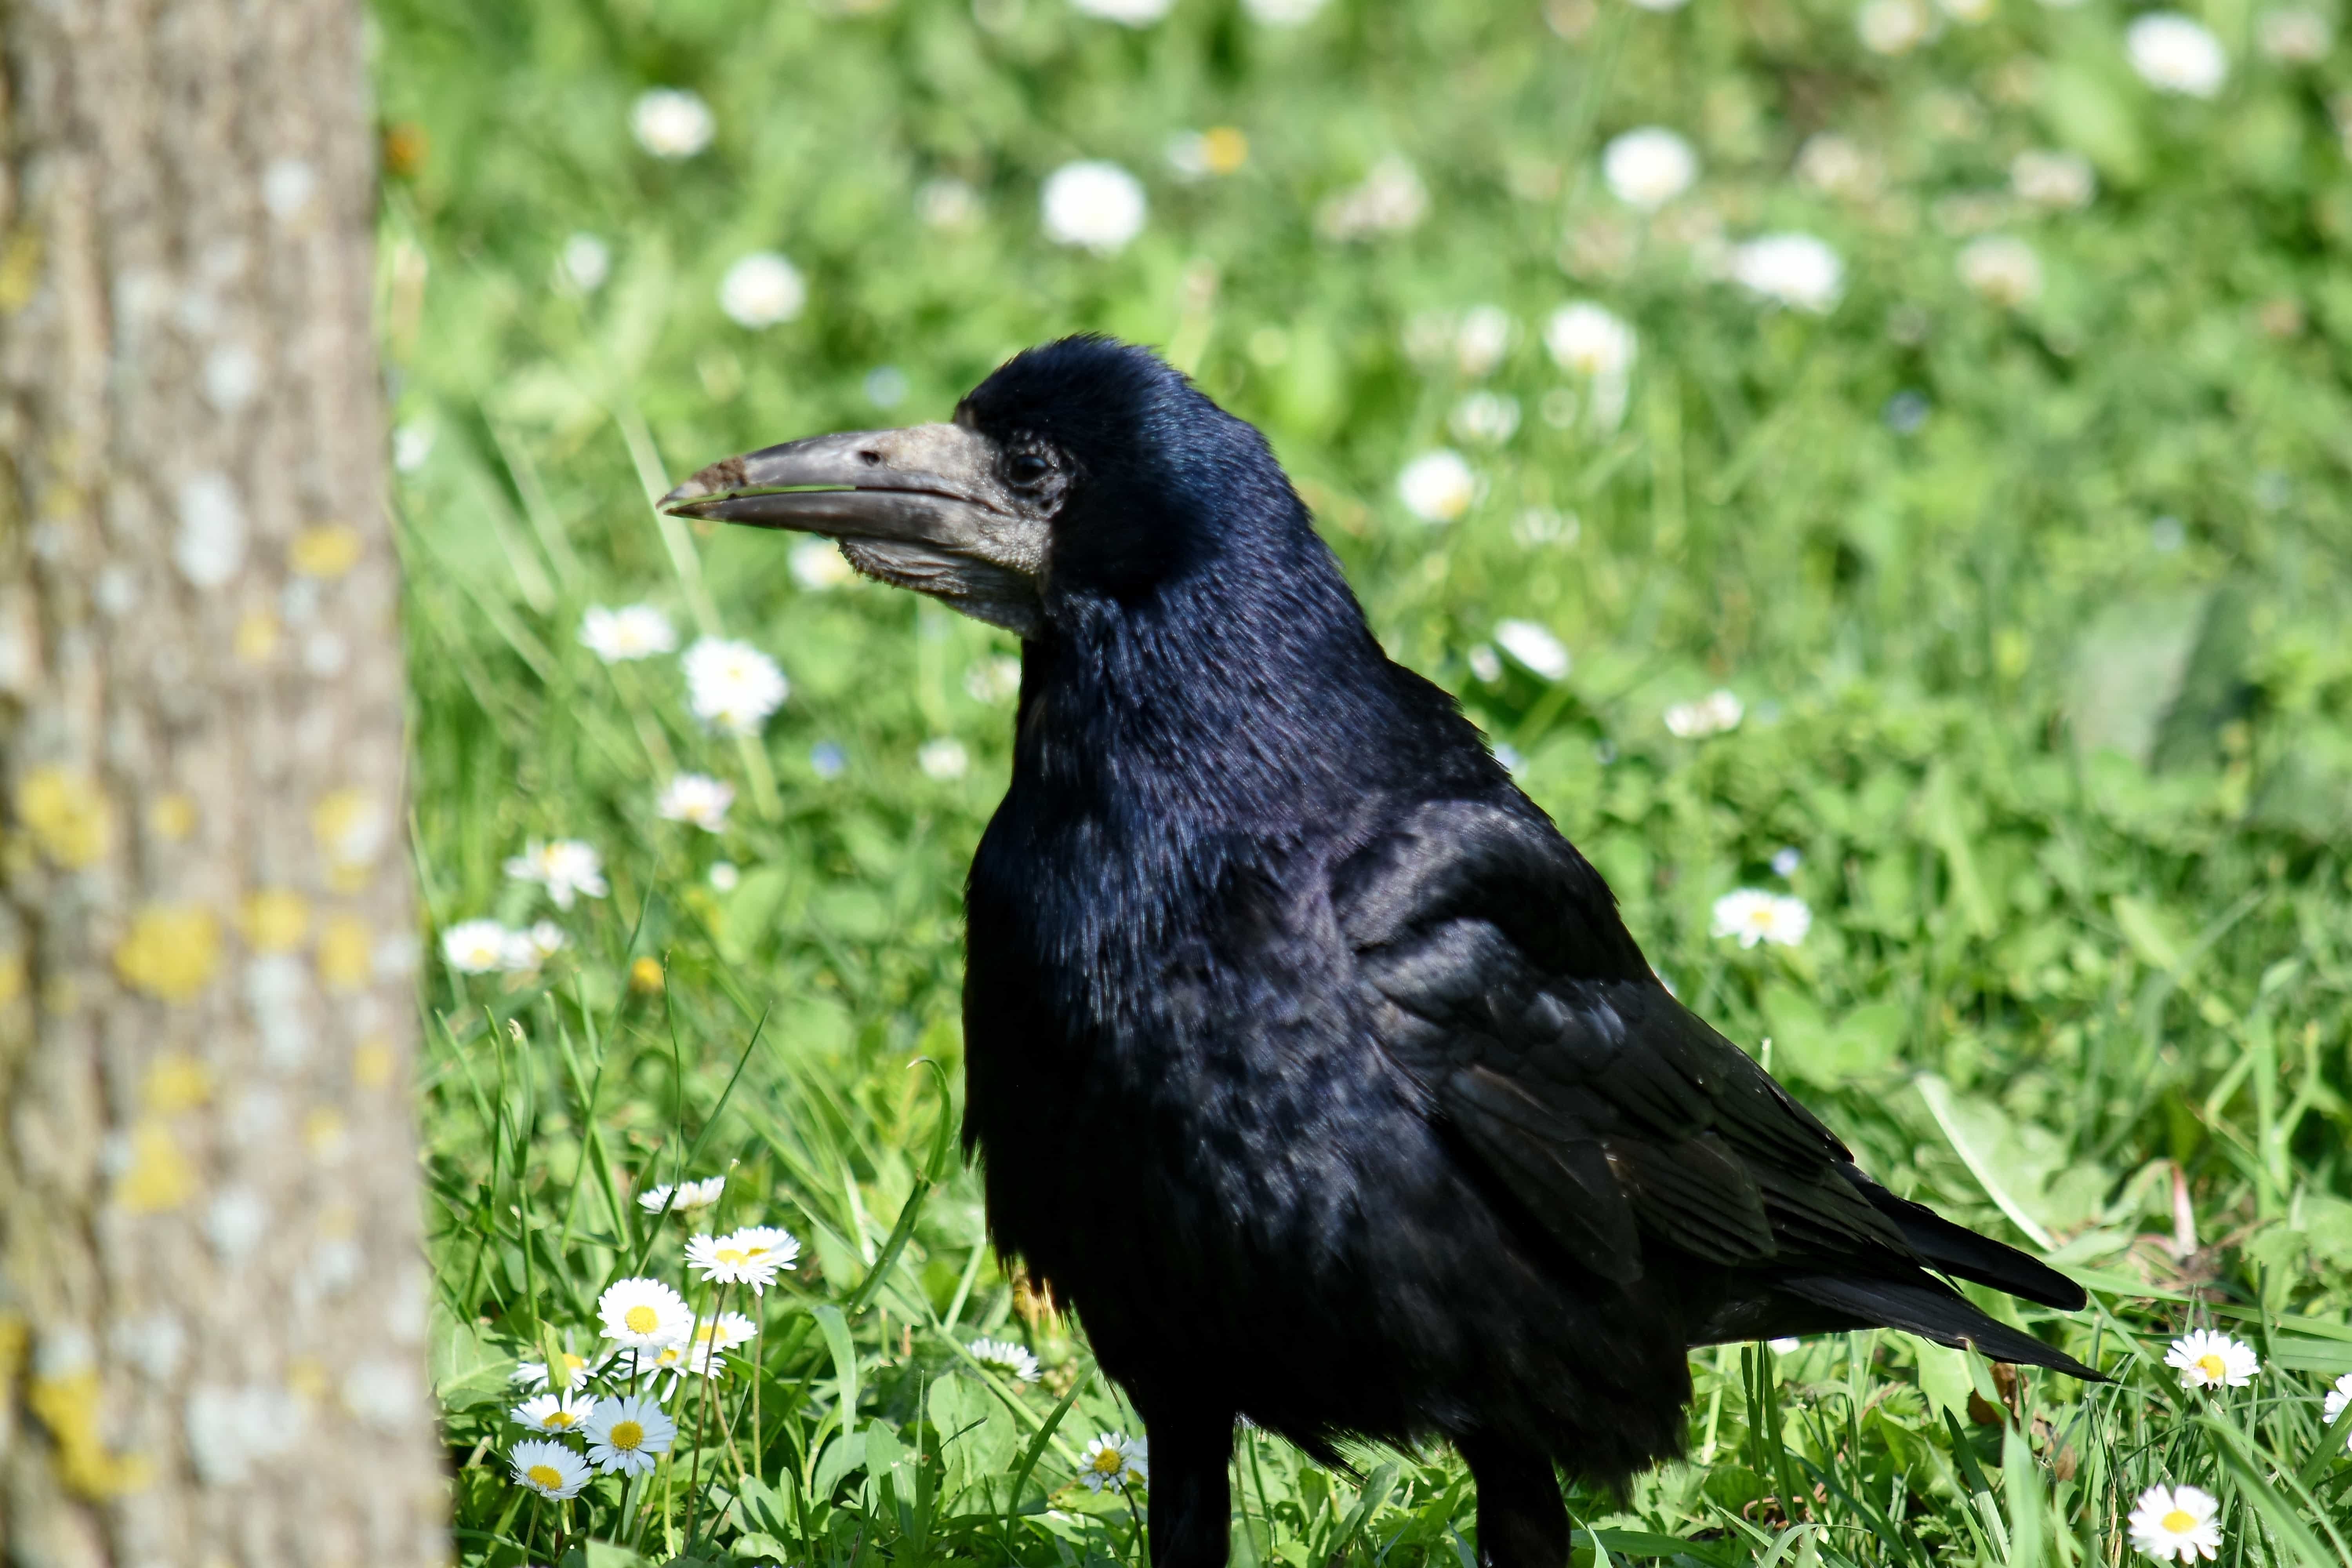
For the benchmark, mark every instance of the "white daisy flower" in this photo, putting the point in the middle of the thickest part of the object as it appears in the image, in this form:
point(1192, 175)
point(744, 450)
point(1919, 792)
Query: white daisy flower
point(551, 1470)
point(1784, 1346)
point(1533, 645)
point(533, 945)
point(1892, 27)
point(2176, 54)
point(724, 875)
point(778, 1248)
point(1793, 269)
point(1114, 1462)
point(577, 1370)
point(995, 679)
point(1484, 419)
point(819, 566)
point(762, 289)
point(1589, 340)
point(1649, 167)
point(1003, 1356)
point(585, 262)
point(733, 687)
point(1437, 487)
point(698, 1194)
point(1094, 203)
point(725, 1331)
point(644, 1314)
point(625, 1435)
point(475, 947)
point(1126, 13)
point(728, 1260)
point(2003, 268)
point(943, 757)
point(554, 1413)
point(566, 867)
point(697, 800)
point(670, 122)
point(2056, 181)
point(1754, 916)
point(947, 203)
point(633, 631)
point(2177, 1524)
point(2338, 1398)
point(1712, 714)
point(2297, 37)
point(1837, 165)
point(410, 444)
point(1481, 338)
point(1484, 663)
point(2206, 1359)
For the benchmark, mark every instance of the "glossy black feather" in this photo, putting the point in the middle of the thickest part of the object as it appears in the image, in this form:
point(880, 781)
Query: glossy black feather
point(1311, 1064)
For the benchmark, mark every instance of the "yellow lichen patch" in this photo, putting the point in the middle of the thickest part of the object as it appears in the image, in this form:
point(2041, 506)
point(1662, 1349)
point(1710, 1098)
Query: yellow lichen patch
point(343, 962)
point(66, 814)
point(274, 920)
point(325, 550)
point(159, 1178)
point(173, 951)
point(172, 816)
point(371, 1062)
point(256, 637)
point(645, 973)
point(68, 1405)
point(11, 977)
point(326, 1133)
point(175, 1081)
point(350, 828)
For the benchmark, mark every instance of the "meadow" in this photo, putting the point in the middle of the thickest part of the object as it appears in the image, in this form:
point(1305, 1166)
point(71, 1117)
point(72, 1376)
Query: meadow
point(1880, 476)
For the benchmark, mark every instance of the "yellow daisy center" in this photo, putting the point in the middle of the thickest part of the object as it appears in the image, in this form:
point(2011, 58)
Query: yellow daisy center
point(2180, 1521)
point(546, 1475)
point(625, 1435)
point(1109, 1462)
point(572, 1363)
point(667, 1356)
point(559, 1418)
point(732, 1255)
point(2212, 1364)
point(641, 1319)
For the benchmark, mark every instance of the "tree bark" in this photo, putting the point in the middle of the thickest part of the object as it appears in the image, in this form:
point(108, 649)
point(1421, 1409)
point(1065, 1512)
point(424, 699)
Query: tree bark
point(211, 1292)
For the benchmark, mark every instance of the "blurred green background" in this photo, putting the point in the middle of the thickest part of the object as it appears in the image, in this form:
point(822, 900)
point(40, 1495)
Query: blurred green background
point(2010, 504)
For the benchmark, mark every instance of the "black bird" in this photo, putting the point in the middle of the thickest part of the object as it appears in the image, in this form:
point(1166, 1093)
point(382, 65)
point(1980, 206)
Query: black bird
point(1304, 1056)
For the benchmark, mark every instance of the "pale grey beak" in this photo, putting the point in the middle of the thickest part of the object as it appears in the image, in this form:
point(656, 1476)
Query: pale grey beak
point(922, 507)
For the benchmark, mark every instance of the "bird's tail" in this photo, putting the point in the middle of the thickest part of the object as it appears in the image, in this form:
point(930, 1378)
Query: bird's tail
point(1958, 1250)
point(1935, 1311)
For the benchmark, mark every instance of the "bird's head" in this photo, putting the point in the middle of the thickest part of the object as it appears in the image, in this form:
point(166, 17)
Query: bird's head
point(1085, 469)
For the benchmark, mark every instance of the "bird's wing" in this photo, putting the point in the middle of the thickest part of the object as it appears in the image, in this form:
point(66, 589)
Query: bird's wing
point(1500, 978)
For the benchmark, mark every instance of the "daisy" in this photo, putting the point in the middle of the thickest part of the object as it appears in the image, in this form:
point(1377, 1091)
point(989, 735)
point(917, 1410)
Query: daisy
point(2053, 180)
point(1481, 338)
point(2338, 1398)
point(994, 680)
point(669, 122)
point(2298, 37)
point(526, 950)
point(724, 1333)
point(724, 875)
point(625, 1434)
point(1116, 1462)
point(474, 947)
point(2003, 268)
point(1004, 1356)
point(577, 1369)
point(770, 1245)
point(1712, 714)
point(551, 1469)
point(1589, 340)
point(1484, 419)
point(1649, 167)
point(1093, 204)
point(726, 1260)
point(1754, 916)
point(1437, 487)
point(817, 564)
point(733, 687)
point(585, 262)
point(567, 867)
point(2208, 1360)
point(2176, 54)
point(2177, 1524)
point(762, 289)
point(632, 631)
point(1793, 269)
point(943, 757)
point(554, 1413)
point(696, 799)
point(644, 1314)
point(690, 1195)
point(1534, 646)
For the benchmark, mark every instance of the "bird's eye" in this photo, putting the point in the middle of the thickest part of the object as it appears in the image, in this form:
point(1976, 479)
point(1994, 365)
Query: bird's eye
point(1026, 467)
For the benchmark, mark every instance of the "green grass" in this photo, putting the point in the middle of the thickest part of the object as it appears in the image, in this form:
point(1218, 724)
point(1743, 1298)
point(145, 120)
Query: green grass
point(2050, 691)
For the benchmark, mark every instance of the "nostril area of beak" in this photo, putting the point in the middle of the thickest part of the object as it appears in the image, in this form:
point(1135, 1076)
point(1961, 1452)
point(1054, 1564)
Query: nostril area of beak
point(870, 457)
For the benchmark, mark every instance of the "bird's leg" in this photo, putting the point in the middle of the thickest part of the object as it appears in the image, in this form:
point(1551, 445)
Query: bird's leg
point(1191, 1493)
point(1522, 1523)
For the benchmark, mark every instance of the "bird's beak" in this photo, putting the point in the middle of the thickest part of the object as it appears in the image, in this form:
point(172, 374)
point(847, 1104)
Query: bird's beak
point(922, 507)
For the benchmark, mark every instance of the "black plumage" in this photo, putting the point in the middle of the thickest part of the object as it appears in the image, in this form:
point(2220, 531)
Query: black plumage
point(1306, 1058)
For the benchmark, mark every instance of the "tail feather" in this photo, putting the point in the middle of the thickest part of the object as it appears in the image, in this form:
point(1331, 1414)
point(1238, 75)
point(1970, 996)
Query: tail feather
point(1935, 1311)
point(1958, 1250)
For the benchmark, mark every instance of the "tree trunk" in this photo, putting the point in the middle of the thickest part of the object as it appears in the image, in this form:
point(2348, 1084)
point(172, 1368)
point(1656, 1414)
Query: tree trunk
point(212, 1295)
